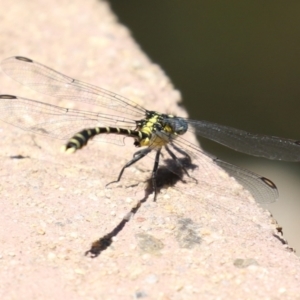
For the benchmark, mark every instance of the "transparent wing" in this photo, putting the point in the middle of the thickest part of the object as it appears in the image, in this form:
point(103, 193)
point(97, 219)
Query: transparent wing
point(270, 147)
point(262, 189)
point(46, 80)
point(57, 122)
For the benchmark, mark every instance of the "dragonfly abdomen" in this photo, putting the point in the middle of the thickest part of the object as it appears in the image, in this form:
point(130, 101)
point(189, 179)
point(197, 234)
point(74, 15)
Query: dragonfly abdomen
point(80, 139)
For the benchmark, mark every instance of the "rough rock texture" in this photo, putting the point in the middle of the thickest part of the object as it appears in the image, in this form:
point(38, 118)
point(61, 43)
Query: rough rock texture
point(198, 241)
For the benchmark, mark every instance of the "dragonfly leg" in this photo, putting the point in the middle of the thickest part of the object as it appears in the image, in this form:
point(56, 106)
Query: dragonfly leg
point(136, 157)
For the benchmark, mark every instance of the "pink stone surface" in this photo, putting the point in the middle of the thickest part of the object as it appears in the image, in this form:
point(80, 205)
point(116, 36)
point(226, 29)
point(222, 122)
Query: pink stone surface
point(198, 241)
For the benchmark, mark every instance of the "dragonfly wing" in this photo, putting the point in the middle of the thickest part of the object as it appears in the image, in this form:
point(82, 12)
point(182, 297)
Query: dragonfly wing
point(57, 122)
point(262, 189)
point(50, 82)
point(270, 147)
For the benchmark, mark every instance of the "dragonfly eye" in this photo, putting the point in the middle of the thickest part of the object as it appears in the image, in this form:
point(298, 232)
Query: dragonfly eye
point(181, 130)
point(178, 125)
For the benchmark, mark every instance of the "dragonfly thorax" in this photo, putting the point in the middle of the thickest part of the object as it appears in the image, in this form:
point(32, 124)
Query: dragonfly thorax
point(157, 130)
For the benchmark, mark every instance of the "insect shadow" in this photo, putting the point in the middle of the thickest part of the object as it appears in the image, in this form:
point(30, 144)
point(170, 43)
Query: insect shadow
point(167, 176)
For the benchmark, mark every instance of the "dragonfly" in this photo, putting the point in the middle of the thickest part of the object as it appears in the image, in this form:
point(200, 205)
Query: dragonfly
point(150, 130)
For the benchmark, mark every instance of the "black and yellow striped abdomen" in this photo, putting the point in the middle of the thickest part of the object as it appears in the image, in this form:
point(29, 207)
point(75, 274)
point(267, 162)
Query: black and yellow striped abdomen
point(81, 138)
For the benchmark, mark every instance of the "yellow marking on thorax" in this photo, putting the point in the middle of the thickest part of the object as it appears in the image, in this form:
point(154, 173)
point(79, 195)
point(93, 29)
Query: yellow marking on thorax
point(153, 141)
point(148, 129)
point(168, 129)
